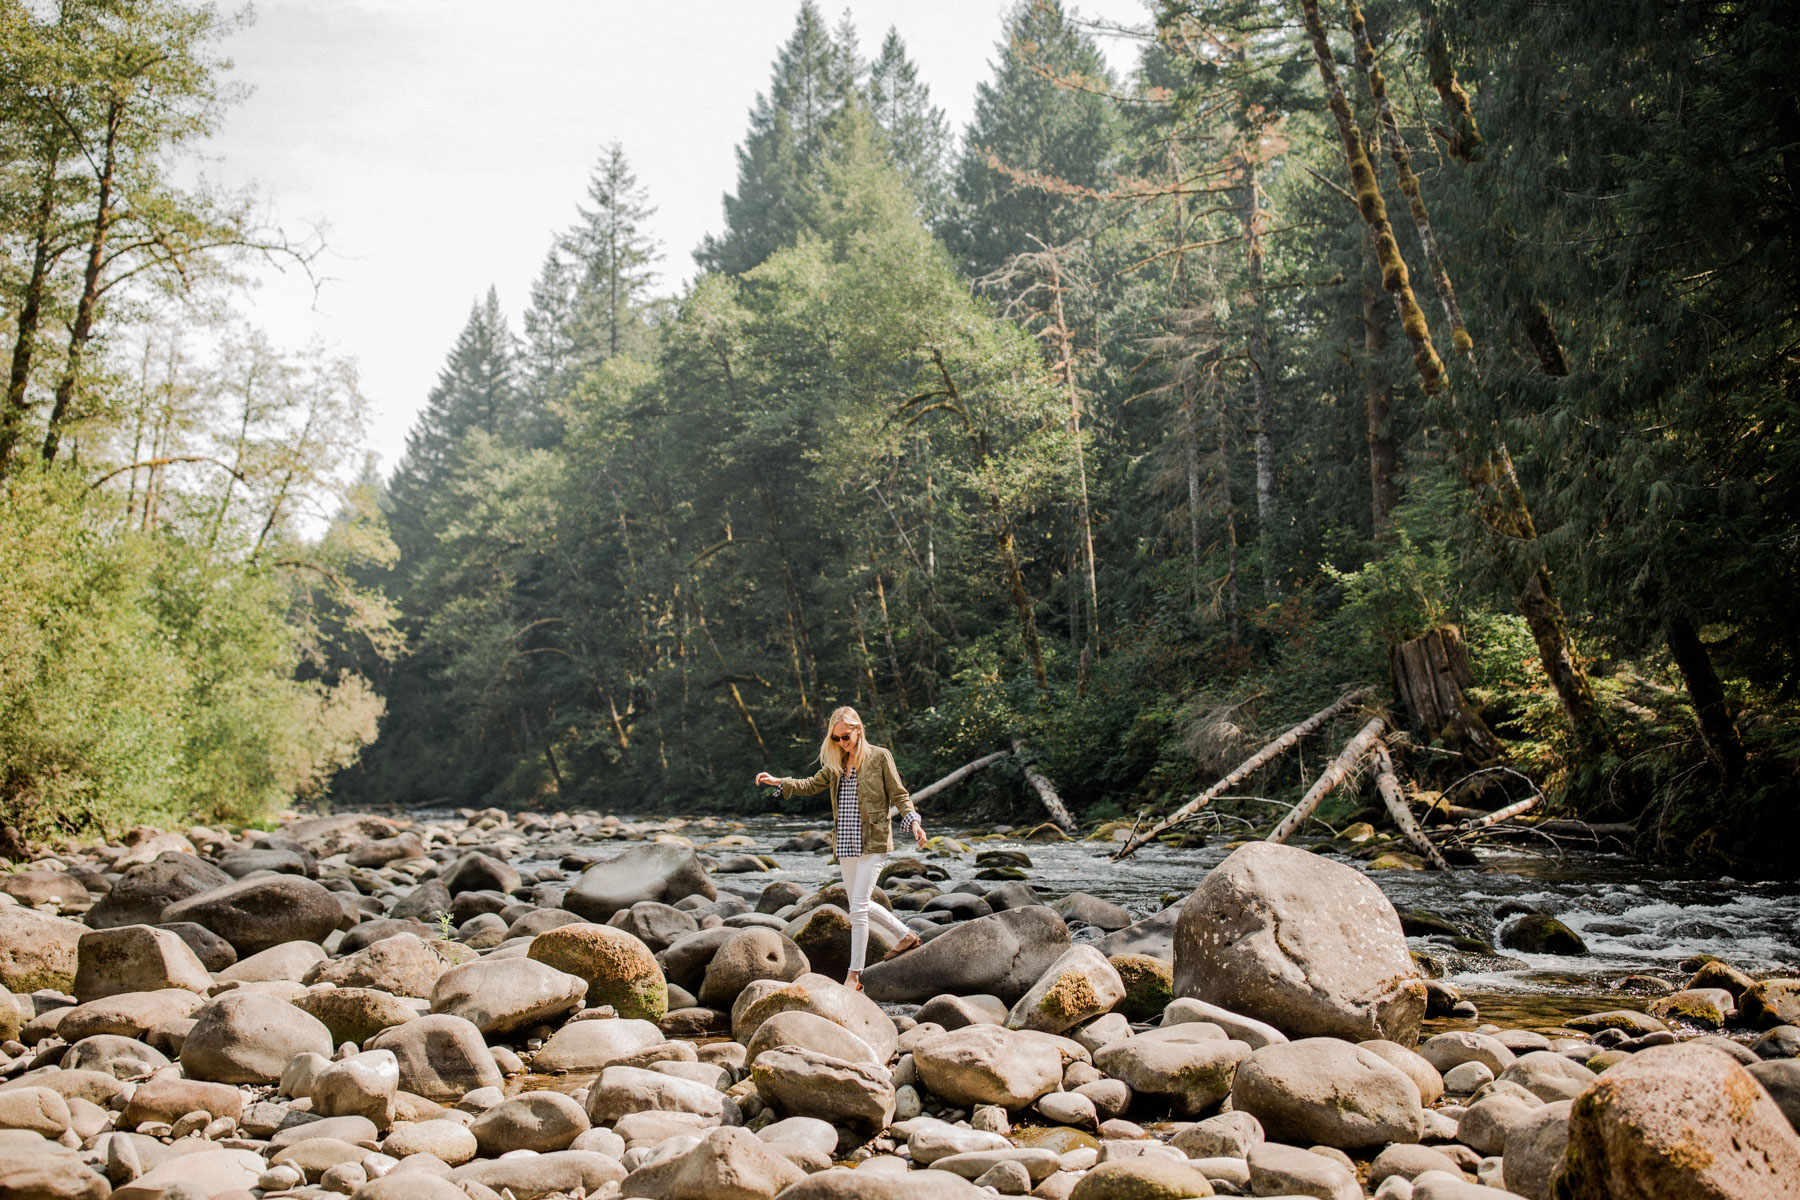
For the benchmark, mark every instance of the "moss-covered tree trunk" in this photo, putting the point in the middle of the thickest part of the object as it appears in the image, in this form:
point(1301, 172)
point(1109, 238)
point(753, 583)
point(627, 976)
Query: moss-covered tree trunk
point(1489, 470)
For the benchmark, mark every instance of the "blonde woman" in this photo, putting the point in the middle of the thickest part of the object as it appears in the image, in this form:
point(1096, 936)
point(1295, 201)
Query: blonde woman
point(863, 782)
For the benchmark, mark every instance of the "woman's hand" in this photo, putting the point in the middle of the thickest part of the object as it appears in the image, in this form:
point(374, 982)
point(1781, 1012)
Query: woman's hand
point(764, 779)
point(919, 832)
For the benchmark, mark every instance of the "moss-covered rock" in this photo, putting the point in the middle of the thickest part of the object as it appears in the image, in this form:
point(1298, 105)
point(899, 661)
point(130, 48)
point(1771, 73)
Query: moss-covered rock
point(619, 969)
point(1149, 985)
point(1539, 933)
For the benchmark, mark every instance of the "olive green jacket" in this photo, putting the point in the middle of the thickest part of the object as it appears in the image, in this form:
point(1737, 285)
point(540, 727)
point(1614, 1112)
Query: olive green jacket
point(878, 787)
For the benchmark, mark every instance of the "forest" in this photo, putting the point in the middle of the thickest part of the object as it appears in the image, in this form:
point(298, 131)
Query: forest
point(1445, 349)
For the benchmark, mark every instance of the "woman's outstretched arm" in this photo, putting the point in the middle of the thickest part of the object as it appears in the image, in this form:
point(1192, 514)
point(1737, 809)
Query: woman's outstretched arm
point(794, 787)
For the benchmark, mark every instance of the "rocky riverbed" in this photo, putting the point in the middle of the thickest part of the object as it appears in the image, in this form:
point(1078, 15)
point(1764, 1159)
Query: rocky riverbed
point(582, 1006)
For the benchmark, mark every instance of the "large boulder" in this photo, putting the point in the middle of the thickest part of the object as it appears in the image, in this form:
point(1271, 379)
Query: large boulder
point(404, 964)
point(498, 995)
point(810, 1032)
point(478, 872)
point(266, 910)
point(1153, 937)
point(1534, 1150)
point(127, 1014)
point(135, 958)
point(245, 1038)
point(621, 1091)
point(1330, 1092)
point(1306, 944)
point(751, 954)
point(441, 1057)
point(1678, 1122)
point(661, 871)
point(986, 1064)
point(37, 951)
point(1002, 955)
point(541, 1121)
point(595, 1044)
point(325, 836)
point(806, 1083)
point(1191, 1077)
point(355, 1014)
point(145, 890)
point(618, 968)
point(1076, 987)
point(111, 1054)
point(823, 934)
point(822, 997)
point(727, 1164)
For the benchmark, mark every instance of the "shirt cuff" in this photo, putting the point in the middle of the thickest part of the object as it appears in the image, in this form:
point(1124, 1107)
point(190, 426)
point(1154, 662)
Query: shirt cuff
point(909, 822)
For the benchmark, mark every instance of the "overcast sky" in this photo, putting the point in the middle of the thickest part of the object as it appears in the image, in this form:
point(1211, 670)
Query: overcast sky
point(441, 143)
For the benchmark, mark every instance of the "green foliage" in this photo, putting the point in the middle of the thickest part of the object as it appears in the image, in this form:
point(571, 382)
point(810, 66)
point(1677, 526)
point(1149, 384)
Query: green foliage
point(143, 679)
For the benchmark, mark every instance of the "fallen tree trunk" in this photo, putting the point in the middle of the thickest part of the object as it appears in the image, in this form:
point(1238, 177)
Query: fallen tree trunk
point(1391, 795)
point(1046, 791)
point(1354, 751)
point(1246, 768)
point(1495, 817)
point(957, 776)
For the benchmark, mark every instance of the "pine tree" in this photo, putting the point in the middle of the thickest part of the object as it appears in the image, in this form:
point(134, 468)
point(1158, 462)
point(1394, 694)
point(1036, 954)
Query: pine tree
point(616, 257)
point(476, 391)
point(914, 129)
point(548, 361)
point(1032, 142)
point(814, 78)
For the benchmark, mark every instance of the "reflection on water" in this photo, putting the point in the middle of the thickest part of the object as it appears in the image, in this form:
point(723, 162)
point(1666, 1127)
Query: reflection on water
point(1634, 918)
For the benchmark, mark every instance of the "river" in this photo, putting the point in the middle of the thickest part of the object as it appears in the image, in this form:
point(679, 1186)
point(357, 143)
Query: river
point(1634, 918)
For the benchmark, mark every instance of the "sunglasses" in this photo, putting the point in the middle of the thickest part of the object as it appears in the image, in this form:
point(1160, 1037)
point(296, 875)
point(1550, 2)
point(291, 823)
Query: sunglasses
point(844, 737)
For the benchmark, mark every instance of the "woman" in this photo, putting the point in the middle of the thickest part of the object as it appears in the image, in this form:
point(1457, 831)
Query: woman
point(863, 782)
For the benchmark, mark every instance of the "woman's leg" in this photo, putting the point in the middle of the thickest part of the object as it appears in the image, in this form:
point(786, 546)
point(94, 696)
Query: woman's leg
point(859, 881)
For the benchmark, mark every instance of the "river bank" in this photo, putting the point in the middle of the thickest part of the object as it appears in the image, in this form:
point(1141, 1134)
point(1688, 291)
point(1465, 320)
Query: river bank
point(585, 1004)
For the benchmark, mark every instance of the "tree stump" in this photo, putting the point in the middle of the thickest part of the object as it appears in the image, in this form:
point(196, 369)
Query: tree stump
point(1430, 674)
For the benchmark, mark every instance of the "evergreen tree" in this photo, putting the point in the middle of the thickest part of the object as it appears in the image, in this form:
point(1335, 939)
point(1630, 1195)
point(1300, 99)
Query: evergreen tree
point(1033, 143)
point(476, 392)
point(548, 362)
point(615, 256)
point(815, 76)
point(914, 129)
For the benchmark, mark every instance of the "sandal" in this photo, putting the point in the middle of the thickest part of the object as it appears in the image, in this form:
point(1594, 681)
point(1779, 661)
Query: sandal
point(911, 941)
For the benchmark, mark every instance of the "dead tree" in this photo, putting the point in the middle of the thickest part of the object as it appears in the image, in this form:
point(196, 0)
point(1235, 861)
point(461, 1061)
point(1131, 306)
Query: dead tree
point(1355, 750)
point(1245, 769)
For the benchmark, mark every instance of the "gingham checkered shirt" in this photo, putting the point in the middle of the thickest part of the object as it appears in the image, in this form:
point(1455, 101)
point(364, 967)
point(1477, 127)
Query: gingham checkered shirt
point(849, 817)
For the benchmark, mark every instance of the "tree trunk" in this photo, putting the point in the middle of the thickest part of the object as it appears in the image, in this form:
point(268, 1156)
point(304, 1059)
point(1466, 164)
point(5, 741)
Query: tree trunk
point(1490, 474)
point(1462, 138)
point(31, 308)
point(1190, 454)
point(1326, 783)
point(1384, 454)
point(1259, 375)
point(1247, 768)
point(1084, 528)
point(957, 776)
point(1046, 791)
point(797, 629)
point(1395, 799)
point(1409, 182)
point(1717, 729)
point(1233, 602)
point(887, 636)
point(85, 309)
point(1429, 674)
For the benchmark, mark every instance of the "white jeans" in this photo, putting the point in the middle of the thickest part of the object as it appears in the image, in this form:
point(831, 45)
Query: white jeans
point(859, 881)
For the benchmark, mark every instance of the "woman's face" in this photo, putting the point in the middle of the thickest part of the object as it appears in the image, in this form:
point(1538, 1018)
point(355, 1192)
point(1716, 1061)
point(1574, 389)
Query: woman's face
point(847, 737)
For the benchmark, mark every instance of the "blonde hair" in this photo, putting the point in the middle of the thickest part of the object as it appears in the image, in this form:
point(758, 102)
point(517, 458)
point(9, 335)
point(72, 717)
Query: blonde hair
point(832, 754)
